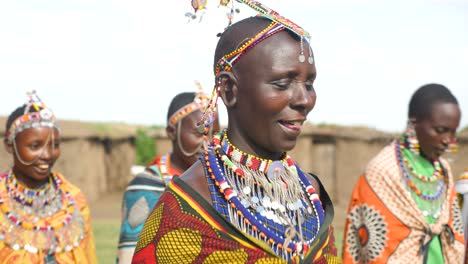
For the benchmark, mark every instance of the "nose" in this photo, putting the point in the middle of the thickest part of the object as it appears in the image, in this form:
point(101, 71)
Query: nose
point(449, 138)
point(46, 152)
point(303, 97)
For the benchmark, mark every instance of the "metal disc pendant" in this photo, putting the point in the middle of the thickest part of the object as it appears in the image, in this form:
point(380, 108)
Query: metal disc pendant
point(311, 60)
point(275, 169)
point(254, 199)
point(266, 202)
point(301, 58)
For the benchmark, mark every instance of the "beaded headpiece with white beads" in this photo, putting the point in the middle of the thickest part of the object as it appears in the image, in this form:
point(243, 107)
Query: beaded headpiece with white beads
point(278, 23)
point(41, 117)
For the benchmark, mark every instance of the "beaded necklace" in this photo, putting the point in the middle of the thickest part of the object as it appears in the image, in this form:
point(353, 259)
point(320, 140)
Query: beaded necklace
point(430, 204)
point(36, 198)
point(253, 205)
point(437, 175)
point(55, 226)
point(411, 183)
point(164, 163)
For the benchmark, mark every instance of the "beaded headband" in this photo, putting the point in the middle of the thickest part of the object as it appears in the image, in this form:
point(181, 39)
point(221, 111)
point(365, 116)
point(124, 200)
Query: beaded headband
point(43, 117)
point(200, 102)
point(278, 23)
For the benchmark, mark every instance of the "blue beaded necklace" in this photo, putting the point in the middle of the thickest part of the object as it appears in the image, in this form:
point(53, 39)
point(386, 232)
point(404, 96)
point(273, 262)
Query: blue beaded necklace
point(255, 223)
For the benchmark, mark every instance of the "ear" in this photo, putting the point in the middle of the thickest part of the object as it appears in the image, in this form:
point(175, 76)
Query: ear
point(8, 146)
point(227, 85)
point(171, 132)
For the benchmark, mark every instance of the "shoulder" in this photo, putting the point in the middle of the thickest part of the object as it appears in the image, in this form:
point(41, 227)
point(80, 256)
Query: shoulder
point(68, 186)
point(384, 162)
point(195, 178)
point(75, 192)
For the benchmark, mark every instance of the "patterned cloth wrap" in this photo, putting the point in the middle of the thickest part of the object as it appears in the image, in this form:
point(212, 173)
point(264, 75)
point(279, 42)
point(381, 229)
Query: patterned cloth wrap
point(84, 252)
point(184, 228)
point(140, 196)
point(376, 234)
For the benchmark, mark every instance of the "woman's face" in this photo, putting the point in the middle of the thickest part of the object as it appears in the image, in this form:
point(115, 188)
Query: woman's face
point(435, 132)
point(41, 146)
point(275, 94)
point(191, 140)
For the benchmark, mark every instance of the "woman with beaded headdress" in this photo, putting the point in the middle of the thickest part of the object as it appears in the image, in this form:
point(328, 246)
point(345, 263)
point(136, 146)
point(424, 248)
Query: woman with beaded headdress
point(404, 207)
point(142, 193)
point(43, 217)
point(246, 200)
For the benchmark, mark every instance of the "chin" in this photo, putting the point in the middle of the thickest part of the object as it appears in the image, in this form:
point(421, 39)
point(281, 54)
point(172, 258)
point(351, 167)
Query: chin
point(288, 146)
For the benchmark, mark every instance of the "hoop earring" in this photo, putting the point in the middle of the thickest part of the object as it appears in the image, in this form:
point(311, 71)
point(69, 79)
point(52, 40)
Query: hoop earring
point(179, 143)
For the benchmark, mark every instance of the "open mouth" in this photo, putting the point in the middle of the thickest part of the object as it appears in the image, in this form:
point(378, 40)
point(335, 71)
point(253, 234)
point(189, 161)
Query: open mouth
point(43, 168)
point(293, 125)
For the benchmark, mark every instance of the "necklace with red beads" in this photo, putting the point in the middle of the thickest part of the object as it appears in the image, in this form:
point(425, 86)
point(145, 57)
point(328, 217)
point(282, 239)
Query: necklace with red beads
point(261, 191)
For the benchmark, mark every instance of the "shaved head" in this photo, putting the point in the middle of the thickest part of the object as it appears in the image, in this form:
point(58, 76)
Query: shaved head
point(238, 33)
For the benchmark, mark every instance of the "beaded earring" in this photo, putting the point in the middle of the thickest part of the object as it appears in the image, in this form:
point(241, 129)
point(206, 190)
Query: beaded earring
point(411, 139)
point(209, 113)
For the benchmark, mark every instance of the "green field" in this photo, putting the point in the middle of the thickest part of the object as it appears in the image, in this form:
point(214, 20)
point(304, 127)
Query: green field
point(106, 234)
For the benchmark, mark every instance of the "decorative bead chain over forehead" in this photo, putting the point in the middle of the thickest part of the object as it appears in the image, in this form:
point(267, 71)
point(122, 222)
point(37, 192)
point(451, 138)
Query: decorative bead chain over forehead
point(200, 102)
point(43, 117)
point(278, 23)
point(226, 62)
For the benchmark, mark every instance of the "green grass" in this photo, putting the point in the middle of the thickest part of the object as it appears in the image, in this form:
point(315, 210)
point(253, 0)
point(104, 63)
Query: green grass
point(106, 235)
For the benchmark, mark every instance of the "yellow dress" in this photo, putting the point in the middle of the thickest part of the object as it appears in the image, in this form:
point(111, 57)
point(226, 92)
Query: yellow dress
point(61, 235)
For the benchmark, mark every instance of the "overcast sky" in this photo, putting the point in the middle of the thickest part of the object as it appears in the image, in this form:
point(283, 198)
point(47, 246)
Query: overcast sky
point(124, 60)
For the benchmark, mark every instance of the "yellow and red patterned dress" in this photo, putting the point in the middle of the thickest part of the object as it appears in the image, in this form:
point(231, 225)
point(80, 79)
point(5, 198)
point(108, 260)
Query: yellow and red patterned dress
point(184, 228)
point(48, 225)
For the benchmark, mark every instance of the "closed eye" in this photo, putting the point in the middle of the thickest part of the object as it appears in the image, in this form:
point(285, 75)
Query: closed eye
point(282, 84)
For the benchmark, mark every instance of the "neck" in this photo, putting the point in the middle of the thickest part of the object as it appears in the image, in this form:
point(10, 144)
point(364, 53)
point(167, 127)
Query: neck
point(28, 182)
point(243, 144)
point(177, 162)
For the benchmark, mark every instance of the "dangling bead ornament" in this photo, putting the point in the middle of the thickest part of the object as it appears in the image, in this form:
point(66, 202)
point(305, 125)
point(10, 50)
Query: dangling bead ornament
point(411, 138)
point(266, 197)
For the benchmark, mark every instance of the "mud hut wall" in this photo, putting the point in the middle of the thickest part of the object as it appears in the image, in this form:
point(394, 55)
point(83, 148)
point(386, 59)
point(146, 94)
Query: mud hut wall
point(323, 156)
point(163, 145)
point(82, 162)
point(352, 156)
point(119, 158)
point(301, 153)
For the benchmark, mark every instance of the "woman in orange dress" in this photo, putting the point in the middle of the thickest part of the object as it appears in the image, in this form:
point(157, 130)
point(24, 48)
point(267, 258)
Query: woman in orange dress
point(404, 207)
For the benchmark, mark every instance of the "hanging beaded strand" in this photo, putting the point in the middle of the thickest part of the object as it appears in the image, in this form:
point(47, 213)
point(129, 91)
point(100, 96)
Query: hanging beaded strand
point(244, 217)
